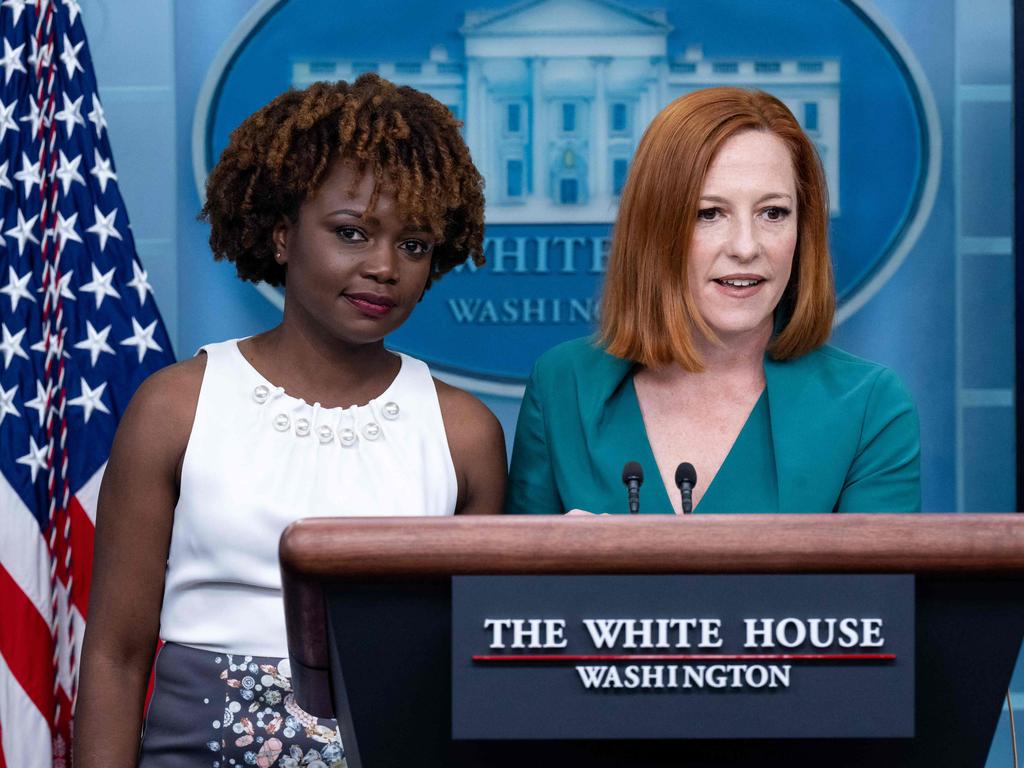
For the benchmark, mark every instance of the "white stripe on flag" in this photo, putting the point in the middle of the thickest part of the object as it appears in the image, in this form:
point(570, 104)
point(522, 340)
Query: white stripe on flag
point(89, 492)
point(26, 734)
point(23, 551)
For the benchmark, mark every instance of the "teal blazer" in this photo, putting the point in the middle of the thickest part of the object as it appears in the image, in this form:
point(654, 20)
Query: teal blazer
point(831, 433)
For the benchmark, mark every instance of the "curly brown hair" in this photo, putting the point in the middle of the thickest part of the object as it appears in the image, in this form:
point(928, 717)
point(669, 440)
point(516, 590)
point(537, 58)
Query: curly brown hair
point(278, 157)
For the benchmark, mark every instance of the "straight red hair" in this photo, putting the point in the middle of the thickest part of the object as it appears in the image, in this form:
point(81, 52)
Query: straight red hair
point(647, 312)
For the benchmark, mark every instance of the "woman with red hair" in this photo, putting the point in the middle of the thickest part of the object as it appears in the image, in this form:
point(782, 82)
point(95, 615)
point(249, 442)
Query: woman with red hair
point(717, 304)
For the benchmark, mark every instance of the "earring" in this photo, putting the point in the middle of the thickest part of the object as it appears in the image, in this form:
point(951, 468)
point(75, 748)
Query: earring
point(277, 257)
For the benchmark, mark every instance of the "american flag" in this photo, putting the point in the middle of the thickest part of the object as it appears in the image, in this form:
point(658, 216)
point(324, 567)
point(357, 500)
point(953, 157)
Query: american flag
point(79, 331)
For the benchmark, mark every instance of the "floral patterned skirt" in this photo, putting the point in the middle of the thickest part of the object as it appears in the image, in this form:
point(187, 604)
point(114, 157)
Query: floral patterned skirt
point(219, 710)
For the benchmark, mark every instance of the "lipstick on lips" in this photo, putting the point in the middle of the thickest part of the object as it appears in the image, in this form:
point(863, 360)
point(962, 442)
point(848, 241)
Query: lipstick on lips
point(739, 286)
point(371, 304)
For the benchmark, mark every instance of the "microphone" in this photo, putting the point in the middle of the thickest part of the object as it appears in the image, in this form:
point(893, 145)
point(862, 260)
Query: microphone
point(686, 479)
point(633, 478)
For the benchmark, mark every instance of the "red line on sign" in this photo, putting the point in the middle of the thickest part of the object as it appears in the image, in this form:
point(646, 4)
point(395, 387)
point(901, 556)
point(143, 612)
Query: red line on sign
point(695, 657)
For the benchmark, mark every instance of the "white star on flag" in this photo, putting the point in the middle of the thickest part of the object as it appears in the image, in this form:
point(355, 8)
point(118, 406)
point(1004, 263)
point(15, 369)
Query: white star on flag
point(104, 226)
point(71, 114)
point(11, 62)
point(90, 399)
point(5, 180)
point(73, 9)
point(7, 402)
point(142, 338)
point(68, 173)
point(97, 116)
point(102, 171)
point(70, 56)
point(101, 285)
point(23, 231)
point(10, 346)
point(16, 6)
point(15, 287)
point(96, 343)
point(41, 401)
point(65, 228)
point(6, 120)
point(140, 282)
point(35, 459)
point(34, 116)
point(28, 175)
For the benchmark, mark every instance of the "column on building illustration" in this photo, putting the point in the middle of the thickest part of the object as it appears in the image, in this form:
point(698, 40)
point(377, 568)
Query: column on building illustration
point(472, 128)
point(538, 140)
point(599, 129)
point(485, 157)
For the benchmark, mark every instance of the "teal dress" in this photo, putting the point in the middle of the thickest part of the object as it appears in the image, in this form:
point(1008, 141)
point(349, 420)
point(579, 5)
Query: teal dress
point(830, 433)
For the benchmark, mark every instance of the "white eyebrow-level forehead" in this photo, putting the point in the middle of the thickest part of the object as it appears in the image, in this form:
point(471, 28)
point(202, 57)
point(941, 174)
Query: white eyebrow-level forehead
point(762, 199)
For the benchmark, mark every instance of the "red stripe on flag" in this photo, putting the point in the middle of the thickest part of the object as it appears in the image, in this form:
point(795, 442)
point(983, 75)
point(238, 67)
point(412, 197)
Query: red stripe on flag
point(83, 535)
point(26, 645)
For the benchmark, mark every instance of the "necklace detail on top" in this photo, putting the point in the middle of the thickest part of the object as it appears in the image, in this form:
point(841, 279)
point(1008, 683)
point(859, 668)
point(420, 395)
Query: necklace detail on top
point(351, 420)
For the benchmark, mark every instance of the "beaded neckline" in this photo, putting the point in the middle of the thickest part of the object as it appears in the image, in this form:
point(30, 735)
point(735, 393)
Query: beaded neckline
point(349, 424)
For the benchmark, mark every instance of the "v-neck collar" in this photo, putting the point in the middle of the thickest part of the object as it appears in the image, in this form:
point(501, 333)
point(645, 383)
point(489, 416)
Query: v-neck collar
point(642, 447)
point(784, 386)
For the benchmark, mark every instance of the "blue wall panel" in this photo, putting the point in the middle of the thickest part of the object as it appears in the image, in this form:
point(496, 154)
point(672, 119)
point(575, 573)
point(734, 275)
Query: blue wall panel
point(988, 322)
point(987, 175)
point(988, 438)
point(150, 97)
point(924, 322)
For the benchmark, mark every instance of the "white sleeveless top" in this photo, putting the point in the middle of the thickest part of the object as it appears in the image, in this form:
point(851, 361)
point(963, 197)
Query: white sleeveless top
point(259, 459)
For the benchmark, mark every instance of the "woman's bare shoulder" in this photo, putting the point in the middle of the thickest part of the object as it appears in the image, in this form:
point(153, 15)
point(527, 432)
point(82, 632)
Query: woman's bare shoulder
point(465, 413)
point(477, 445)
point(173, 388)
point(165, 403)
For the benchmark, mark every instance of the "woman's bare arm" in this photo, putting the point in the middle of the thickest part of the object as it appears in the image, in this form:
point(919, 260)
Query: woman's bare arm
point(477, 445)
point(133, 530)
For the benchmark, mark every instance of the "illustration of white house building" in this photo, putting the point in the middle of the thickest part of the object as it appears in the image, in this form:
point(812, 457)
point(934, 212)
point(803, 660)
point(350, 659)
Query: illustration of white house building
point(555, 95)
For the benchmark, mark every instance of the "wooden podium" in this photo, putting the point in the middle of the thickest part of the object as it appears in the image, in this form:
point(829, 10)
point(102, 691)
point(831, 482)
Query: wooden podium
point(368, 608)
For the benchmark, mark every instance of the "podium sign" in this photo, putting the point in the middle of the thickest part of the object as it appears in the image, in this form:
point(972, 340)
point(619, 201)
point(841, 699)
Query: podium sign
point(682, 656)
point(374, 637)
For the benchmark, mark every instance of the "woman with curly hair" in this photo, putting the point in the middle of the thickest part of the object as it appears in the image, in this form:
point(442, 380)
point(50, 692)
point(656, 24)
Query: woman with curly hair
point(354, 197)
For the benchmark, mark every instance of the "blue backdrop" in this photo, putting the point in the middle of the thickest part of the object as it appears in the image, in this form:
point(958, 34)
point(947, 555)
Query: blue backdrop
point(943, 320)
